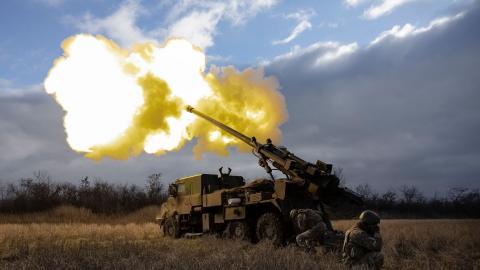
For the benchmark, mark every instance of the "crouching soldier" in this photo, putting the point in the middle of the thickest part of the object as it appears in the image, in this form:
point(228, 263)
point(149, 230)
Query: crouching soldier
point(363, 244)
point(310, 226)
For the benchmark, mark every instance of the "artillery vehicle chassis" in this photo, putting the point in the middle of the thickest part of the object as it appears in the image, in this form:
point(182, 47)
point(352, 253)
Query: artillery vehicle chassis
point(226, 206)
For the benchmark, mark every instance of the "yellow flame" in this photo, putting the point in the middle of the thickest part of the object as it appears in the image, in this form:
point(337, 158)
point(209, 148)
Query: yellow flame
point(246, 101)
point(119, 103)
point(214, 135)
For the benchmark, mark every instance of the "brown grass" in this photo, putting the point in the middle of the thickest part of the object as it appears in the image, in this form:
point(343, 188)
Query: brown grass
point(409, 244)
point(71, 214)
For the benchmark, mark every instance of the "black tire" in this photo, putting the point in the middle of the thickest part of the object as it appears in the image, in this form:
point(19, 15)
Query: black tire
point(238, 230)
point(270, 227)
point(171, 228)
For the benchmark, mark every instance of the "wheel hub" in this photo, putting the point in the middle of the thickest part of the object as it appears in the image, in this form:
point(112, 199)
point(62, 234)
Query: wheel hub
point(269, 232)
point(238, 232)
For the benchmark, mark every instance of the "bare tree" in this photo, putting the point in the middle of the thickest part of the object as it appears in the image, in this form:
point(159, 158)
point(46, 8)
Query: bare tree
point(410, 194)
point(42, 176)
point(338, 172)
point(365, 191)
point(155, 187)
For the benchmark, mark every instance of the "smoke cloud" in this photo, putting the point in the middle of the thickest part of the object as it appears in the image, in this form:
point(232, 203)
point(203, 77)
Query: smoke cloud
point(119, 103)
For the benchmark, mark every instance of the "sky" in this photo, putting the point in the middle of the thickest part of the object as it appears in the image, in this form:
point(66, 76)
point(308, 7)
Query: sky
point(387, 90)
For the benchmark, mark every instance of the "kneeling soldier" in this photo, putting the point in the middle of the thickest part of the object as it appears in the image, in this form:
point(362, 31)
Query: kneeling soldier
point(363, 243)
point(309, 225)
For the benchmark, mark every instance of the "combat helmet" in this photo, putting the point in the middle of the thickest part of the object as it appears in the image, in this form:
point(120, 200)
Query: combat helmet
point(369, 217)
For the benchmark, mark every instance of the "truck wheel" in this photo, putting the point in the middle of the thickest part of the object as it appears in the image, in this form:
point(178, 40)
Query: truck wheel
point(238, 230)
point(270, 227)
point(170, 228)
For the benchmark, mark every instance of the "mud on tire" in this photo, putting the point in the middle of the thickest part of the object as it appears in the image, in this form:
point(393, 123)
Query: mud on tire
point(171, 228)
point(238, 230)
point(270, 227)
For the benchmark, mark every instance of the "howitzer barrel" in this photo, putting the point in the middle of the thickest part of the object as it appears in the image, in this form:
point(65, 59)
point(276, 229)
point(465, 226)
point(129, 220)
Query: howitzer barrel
point(226, 128)
point(315, 178)
point(267, 152)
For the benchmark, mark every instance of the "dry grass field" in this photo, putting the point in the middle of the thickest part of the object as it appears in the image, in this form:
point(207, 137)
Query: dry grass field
point(57, 240)
point(70, 214)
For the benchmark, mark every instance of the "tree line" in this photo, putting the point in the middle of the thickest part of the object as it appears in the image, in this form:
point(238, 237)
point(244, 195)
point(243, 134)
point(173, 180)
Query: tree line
point(410, 202)
point(39, 193)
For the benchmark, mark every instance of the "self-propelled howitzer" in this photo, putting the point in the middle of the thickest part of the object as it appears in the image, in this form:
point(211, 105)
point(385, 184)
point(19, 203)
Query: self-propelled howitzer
point(317, 179)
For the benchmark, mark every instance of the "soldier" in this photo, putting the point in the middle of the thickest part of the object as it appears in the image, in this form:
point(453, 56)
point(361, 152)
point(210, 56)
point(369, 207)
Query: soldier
point(363, 243)
point(309, 225)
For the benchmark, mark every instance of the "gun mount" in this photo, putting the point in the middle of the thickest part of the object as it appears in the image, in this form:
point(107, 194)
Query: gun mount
point(317, 179)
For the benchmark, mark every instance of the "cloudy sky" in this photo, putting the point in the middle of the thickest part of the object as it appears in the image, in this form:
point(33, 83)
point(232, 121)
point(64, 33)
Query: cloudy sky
point(388, 90)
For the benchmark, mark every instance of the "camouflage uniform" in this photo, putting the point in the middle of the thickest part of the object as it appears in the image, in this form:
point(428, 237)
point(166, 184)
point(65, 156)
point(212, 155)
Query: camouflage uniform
point(309, 225)
point(363, 245)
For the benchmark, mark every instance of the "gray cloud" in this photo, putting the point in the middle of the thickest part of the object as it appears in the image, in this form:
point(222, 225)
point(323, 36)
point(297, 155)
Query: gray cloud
point(404, 111)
